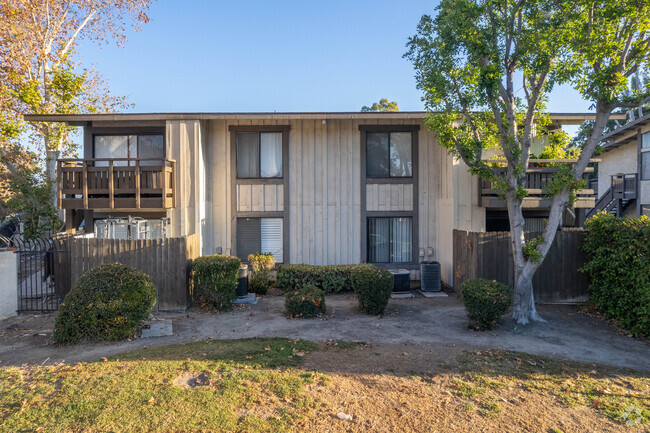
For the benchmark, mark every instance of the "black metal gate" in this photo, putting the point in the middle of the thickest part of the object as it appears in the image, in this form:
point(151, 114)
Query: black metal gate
point(43, 272)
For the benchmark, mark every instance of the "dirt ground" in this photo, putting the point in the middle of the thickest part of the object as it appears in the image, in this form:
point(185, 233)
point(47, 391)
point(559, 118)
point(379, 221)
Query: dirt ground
point(408, 389)
point(435, 325)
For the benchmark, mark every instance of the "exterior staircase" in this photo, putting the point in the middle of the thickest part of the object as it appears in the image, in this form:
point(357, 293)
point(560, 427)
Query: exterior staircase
point(618, 197)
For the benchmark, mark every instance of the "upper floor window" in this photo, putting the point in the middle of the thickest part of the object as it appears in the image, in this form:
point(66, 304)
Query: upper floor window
point(645, 156)
point(389, 154)
point(129, 146)
point(259, 155)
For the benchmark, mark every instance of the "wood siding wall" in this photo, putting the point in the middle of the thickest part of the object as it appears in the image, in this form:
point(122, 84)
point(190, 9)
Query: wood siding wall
point(489, 255)
point(260, 198)
point(389, 197)
point(166, 261)
point(325, 192)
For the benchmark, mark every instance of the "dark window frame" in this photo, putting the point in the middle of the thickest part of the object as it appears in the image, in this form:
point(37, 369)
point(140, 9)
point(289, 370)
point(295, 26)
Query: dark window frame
point(259, 154)
point(129, 133)
point(388, 132)
point(389, 263)
point(284, 181)
point(413, 214)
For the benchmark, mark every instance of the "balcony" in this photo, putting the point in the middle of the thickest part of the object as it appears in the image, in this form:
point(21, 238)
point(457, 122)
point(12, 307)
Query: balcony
point(536, 180)
point(116, 183)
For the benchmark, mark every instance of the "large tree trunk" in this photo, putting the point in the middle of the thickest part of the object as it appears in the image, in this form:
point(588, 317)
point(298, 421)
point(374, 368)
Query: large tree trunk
point(524, 308)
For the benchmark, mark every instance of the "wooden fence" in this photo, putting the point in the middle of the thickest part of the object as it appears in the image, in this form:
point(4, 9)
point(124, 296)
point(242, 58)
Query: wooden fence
point(489, 255)
point(166, 261)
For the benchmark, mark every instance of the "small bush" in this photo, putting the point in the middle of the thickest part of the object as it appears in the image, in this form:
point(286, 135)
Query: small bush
point(306, 302)
point(373, 287)
point(618, 257)
point(108, 303)
point(332, 279)
point(262, 264)
point(485, 302)
point(215, 281)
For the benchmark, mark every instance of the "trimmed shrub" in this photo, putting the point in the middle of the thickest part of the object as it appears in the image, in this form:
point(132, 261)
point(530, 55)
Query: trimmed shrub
point(485, 302)
point(332, 279)
point(373, 287)
point(618, 264)
point(215, 281)
point(108, 303)
point(262, 264)
point(306, 302)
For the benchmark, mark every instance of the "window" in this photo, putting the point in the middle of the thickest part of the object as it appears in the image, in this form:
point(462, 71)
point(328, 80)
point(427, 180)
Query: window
point(259, 235)
point(388, 154)
point(390, 240)
point(129, 146)
point(259, 155)
point(645, 156)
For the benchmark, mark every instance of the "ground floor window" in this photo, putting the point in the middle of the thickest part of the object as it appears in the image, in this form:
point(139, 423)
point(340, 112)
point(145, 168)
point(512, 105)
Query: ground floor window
point(260, 235)
point(390, 240)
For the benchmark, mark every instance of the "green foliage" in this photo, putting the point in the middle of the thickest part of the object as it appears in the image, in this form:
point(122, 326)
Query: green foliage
point(306, 302)
point(108, 303)
point(383, 105)
point(373, 287)
point(29, 192)
point(485, 302)
point(262, 264)
point(215, 281)
point(530, 250)
point(617, 264)
point(332, 279)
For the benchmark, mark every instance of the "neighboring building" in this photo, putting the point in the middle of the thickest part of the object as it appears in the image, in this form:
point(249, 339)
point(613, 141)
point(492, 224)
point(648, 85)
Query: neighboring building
point(624, 170)
point(316, 188)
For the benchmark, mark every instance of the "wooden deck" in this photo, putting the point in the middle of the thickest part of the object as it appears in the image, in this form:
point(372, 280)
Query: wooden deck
point(116, 183)
point(536, 180)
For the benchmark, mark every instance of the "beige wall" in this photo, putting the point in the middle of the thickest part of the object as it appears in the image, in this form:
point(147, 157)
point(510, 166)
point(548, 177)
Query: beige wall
point(619, 160)
point(325, 191)
point(184, 145)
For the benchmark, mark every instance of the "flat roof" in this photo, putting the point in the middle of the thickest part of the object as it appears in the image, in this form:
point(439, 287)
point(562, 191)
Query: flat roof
point(559, 118)
point(625, 134)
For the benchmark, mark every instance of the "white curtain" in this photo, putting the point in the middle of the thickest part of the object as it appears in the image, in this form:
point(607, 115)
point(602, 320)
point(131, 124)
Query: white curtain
point(111, 146)
point(401, 240)
point(271, 229)
point(271, 154)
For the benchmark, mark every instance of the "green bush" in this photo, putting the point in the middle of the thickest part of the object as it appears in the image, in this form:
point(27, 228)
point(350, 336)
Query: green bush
point(108, 303)
point(618, 264)
point(306, 302)
point(332, 279)
point(215, 281)
point(261, 264)
point(373, 287)
point(485, 302)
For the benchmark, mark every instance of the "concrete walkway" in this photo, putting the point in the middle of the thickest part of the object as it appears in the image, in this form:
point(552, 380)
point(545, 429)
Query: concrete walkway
point(436, 323)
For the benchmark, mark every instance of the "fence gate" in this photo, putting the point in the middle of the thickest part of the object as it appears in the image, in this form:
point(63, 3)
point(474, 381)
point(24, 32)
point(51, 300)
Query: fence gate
point(43, 272)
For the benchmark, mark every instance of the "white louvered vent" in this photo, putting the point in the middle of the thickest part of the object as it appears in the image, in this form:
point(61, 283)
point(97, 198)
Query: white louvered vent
point(272, 237)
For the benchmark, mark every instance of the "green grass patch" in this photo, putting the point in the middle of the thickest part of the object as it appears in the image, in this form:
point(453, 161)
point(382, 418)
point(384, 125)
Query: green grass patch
point(345, 345)
point(620, 395)
point(237, 385)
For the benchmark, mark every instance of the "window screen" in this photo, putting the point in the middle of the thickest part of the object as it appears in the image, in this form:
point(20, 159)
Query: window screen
point(390, 240)
point(389, 154)
point(260, 235)
point(645, 165)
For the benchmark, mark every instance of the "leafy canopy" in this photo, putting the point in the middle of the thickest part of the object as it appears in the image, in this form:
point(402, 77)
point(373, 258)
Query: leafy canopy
point(383, 105)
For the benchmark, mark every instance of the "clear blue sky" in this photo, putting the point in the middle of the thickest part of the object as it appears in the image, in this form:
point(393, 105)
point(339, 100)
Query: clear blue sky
point(211, 55)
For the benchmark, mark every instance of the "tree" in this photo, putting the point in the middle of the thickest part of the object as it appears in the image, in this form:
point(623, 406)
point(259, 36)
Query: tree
point(487, 67)
point(383, 105)
point(38, 41)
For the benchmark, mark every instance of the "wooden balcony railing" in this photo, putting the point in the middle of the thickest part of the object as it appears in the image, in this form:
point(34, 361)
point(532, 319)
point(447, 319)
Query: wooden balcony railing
point(116, 183)
point(536, 180)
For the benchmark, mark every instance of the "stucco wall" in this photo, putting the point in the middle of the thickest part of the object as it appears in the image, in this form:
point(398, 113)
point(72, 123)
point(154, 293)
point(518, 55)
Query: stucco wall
point(9, 286)
point(619, 160)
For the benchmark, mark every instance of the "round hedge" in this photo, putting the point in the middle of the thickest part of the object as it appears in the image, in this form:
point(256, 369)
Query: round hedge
point(373, 287)
point(108, 303)
point(485, 302)
point(306, 302)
